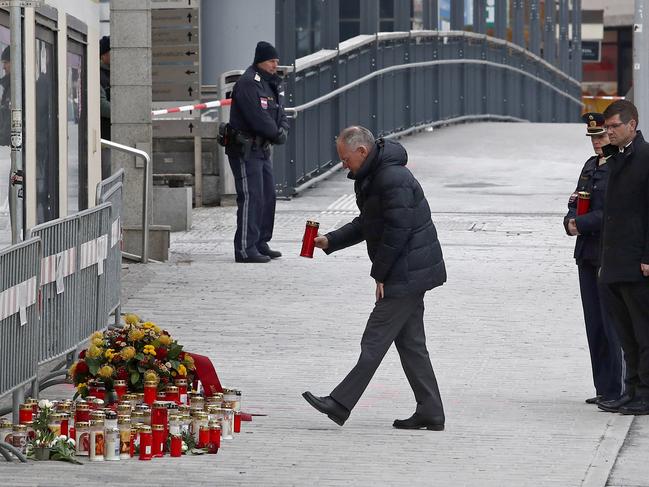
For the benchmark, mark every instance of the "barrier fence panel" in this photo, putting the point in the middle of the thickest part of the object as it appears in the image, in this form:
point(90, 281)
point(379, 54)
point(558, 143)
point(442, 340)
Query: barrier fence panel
point(397, 82)
point(59, 287)
point(19, 282)
point(113, 268)
point(94, 229)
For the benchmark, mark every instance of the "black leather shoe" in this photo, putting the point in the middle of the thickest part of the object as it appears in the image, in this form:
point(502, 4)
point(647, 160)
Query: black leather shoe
point(594, 400)
point(640, 405)
point(418, 422)
point(273, 254)
point(615, 405)
point(252, 259)
point(329, 406)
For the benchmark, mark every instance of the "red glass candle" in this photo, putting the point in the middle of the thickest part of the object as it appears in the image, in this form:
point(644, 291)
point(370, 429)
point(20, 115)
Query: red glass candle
point(172, 394)
point(26, 414)
point(158, 440)
point(308, 241)
point(237, 422)
point(146, 440)
point(181, 384)
point(82, 412)
point(203, 436)
point(215, 439)
point(65, 422)
point(120, 389)
point(150, 392)
point(176, 446)
point(159, 413)
point(583, 203)
point(73, 433)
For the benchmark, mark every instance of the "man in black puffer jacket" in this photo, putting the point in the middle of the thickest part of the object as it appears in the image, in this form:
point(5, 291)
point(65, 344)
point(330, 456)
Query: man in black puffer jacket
point(406, 262)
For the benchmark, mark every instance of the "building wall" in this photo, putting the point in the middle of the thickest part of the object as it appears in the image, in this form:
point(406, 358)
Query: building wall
point(616, 13)
point(229, 33)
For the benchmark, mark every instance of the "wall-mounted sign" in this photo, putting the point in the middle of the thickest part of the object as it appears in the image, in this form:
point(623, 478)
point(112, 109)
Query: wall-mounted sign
point(591, 51)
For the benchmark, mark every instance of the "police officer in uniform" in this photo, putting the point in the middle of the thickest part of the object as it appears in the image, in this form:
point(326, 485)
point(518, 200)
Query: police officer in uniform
point(605, 350)
point(257, 121)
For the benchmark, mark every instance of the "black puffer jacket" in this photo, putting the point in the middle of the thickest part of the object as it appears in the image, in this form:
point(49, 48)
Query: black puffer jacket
point(395, 222)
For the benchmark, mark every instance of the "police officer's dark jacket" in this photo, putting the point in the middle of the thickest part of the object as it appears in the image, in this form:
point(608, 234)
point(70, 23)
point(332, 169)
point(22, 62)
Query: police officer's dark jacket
point(593, 179)
point(395, 222)
point(625, 231)
point(257, 105)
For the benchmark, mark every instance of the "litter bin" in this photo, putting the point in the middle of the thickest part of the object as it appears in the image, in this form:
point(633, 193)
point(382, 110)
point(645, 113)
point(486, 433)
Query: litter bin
point(227, 189)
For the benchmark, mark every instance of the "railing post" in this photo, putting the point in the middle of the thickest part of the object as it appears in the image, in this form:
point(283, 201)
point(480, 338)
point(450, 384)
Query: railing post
point(457, 15)
point(479, 21)
point(518, 35)
point(563, 36)
point(549, 37)
point(431, 15)
point(500, 24)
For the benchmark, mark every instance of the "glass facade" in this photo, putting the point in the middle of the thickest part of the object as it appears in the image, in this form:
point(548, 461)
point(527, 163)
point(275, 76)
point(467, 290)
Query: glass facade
point(77, 186)
point(47, 147)
point(308, 15)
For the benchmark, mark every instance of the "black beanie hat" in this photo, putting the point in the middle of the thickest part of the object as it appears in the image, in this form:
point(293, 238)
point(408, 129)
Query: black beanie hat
point(265, 51)
point(104, 45)
point(6, 54)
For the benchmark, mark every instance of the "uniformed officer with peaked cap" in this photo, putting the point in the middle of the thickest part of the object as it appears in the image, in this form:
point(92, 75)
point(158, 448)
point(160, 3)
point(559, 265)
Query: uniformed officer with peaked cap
point(605, 351)
point(257, 120)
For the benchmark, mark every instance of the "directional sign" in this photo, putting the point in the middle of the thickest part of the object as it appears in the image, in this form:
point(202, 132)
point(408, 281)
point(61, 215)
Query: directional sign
point(172, 37)
point(175, 92)
point(187, 53)
point(175, 74)
point(21, 3)
point(179, 17)
point(183, 128)
point(162, 4)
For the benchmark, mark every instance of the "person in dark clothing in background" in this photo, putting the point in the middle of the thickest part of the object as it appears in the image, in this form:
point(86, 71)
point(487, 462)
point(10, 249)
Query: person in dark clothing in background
point(104, 102)
point(257, 119)
point(406, 260)
point(605, 351)
point(625, 251)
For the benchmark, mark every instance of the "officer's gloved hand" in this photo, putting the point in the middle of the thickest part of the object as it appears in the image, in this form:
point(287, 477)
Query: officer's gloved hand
point(281, 137)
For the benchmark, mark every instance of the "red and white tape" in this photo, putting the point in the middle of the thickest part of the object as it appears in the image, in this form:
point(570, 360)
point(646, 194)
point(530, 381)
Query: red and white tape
point(188, 108)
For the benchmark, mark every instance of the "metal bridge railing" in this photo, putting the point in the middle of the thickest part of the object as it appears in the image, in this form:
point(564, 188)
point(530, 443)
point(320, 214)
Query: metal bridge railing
point(398, 82)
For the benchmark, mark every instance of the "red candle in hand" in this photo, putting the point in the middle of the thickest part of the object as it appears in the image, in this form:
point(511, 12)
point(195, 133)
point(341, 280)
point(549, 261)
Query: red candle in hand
point(583, 203)
point(237, 422)
point(308, 241)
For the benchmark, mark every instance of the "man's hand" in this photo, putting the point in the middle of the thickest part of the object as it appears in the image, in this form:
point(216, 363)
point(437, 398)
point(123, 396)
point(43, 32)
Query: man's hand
point(282, 135)
point(321, 242)
point(645, 269)
point(379, 291)
point(572, 227)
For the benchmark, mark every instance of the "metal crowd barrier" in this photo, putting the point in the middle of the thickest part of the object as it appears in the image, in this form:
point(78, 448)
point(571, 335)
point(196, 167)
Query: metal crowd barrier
point(398, 82)
point(20, 267)
point(112, 193)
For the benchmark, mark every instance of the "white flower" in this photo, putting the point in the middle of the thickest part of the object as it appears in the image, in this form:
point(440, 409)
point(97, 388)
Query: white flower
point(168, 365)
point(45, 404)
point(62, 438)
point(71, 442)
point(184, 447)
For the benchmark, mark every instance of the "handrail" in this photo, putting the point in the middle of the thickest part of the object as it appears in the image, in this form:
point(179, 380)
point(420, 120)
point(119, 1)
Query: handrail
point(147, 189)
point(398, 67)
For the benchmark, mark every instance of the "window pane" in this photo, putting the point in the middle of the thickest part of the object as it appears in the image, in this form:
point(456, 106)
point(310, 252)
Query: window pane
point(349, 29)
point(387, 9)
point(350, 9)
point(47, 174)
point(77, 155)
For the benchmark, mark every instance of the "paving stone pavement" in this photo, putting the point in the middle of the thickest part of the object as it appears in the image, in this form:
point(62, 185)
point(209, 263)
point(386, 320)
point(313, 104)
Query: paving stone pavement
point(505, 335)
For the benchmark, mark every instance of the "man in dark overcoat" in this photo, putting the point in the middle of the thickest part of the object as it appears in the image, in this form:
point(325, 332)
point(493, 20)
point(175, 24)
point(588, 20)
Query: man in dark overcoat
point(407, 261)
point(625, 251)
point(605, 351)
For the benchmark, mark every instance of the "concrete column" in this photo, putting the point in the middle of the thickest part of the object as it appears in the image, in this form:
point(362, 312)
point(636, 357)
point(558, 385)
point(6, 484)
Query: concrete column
point(479, 20)
point(500, 24)
point(402, 22)
point(457, 15)
point(535, 27)
point(130, 78)
point(285, 31)
point(549, 34)
point(431, 15)
point(330, 24)
point(564, 48)
point(518, 35)
point(576, 63)
point(641, 61)
point(369, 16)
